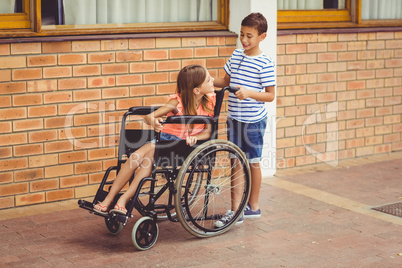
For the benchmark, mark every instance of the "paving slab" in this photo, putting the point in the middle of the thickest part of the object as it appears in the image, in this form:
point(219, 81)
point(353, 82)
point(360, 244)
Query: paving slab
point(319, 218)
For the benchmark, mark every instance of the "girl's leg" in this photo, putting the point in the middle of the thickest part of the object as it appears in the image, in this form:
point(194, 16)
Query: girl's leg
point(143, 171)
point(124, 175)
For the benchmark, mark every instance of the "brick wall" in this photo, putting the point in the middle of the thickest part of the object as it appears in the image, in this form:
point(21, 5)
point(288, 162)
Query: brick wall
point(338, 96)
point(60, 104)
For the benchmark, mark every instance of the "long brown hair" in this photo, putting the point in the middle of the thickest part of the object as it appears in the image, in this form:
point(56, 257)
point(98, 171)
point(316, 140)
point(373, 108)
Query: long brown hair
point(189, 78)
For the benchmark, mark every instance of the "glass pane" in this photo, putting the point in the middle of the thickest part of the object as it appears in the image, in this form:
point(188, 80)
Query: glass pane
point(10, 6)
point(310, 4)
point(79, 12)
point(381, 10)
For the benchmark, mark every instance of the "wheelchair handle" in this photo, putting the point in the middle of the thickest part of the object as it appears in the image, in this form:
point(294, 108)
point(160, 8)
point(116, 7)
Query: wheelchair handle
point(231, 89)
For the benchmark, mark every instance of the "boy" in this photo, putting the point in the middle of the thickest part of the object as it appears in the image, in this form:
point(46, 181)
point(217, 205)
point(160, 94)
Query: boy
point(252, 72)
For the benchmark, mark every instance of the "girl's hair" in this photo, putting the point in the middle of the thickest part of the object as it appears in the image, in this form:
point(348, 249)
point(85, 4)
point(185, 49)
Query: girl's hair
point(190, 77)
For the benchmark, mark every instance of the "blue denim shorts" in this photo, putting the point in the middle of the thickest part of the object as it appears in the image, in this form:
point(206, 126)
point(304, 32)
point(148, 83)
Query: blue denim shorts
point(167, 137)
point(248, 136)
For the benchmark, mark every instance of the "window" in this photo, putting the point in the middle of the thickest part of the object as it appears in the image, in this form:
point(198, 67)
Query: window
point(72, 17)
point(14, 14)
point(338, 13)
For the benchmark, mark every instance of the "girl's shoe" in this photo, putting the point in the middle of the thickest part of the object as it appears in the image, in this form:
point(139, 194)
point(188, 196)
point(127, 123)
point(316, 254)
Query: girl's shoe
point(119, 210)
point(101, 209)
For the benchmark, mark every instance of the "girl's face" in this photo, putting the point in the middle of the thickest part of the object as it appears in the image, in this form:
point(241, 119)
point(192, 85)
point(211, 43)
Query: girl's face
point(207, 86)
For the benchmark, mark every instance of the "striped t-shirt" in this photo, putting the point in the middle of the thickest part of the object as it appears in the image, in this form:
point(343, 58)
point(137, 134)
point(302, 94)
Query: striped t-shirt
point(253, 73)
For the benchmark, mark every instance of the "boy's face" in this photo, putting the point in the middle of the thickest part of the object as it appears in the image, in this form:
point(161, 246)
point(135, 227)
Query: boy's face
point(250, 39)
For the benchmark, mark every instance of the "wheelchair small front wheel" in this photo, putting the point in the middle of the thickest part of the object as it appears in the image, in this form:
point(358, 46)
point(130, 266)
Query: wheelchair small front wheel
point(114, 226)
point(145, 233)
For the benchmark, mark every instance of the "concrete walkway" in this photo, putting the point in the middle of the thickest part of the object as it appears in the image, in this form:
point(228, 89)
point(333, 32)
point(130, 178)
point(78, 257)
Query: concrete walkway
point(312, 217)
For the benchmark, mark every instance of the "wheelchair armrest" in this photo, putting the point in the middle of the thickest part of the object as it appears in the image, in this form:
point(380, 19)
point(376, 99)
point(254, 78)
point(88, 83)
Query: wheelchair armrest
point(143, 110)
point(190, 119)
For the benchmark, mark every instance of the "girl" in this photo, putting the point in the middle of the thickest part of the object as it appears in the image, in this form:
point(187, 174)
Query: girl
point(195, 96)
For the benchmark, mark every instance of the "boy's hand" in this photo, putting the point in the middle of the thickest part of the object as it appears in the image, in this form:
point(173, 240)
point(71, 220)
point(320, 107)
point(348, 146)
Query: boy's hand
point(191, 140)
point(242, 93)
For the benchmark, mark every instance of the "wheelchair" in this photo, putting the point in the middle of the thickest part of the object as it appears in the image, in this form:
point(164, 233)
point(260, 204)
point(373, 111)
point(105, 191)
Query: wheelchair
point(191, 185)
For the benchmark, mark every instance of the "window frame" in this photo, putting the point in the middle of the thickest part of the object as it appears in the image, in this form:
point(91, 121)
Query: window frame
point(17, 20)
point(346, 18)
point(36, 29)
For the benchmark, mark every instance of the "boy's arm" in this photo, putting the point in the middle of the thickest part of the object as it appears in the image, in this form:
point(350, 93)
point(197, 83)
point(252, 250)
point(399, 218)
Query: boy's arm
point(222, 82)
point(267, 96)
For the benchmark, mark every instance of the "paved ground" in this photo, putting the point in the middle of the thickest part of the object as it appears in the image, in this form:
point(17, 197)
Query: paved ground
point(312, 217)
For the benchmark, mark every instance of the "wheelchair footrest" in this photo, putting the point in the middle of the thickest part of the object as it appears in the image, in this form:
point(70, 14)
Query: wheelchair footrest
point(85, 204)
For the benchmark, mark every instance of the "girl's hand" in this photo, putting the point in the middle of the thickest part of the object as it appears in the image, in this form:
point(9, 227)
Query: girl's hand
point(191, 140)
point(242, 93)
point(157, 124)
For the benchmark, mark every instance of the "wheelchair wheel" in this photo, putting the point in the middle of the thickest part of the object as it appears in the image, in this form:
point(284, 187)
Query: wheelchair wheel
point(114, 226)
point(225, 175)
point(145, 233)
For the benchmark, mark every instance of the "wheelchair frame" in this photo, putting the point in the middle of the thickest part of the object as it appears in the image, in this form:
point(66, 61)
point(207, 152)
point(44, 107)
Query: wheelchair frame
point(199, 189)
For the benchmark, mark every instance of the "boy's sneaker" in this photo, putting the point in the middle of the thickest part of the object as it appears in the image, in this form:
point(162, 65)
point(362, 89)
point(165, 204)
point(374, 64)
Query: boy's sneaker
point(251, 214)
point(227, 218)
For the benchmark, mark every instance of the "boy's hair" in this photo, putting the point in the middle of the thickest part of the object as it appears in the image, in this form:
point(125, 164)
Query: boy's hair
point(257, 21)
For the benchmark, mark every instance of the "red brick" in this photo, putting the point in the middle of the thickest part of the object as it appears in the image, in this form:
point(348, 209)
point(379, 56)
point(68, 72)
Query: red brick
point(87, 119)
point(4, 49)
point(43, 160)
point(27, 100)
point(42, 85)
point(88, 94)
point(128, 103)
point(26, 48)
point(12, 164)
point(88, 70)
point(72, 59)
point(121, 68)
point(57, 97)
point(12, 113)
point(81, 46)
point(30, 149)
point(142, 90)
point(73, 181)
point(10, 88)
point(103, 81)
point(41, 136)
point(5, 101)
point(101, 154)
point(73, 157)
point(182, 53)
point(88, 167)
point(142, 67)
point(44, 185)
point(30, 124)
point(142, 43)
point(72, 83)
point(58, 146)
point(43, 60)
point(28, 175)
point(206, 52)
point(12, 62)
point(56, 47)
point(27, 74)
point(122, 80)
point(128, 56)
point(59, 195)
point(156, 78)
point(101, 57)
point(296, 48)
point(5, 75)
point(114, 44)
point(161, 54)
point(29, 199)
point(5, 153)
point(57, 72)
point(167, 66)
point(226, 51)
point(59, 171)
point(41, 111)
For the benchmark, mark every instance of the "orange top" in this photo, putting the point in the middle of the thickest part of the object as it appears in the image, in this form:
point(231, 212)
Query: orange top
point(181, 130)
